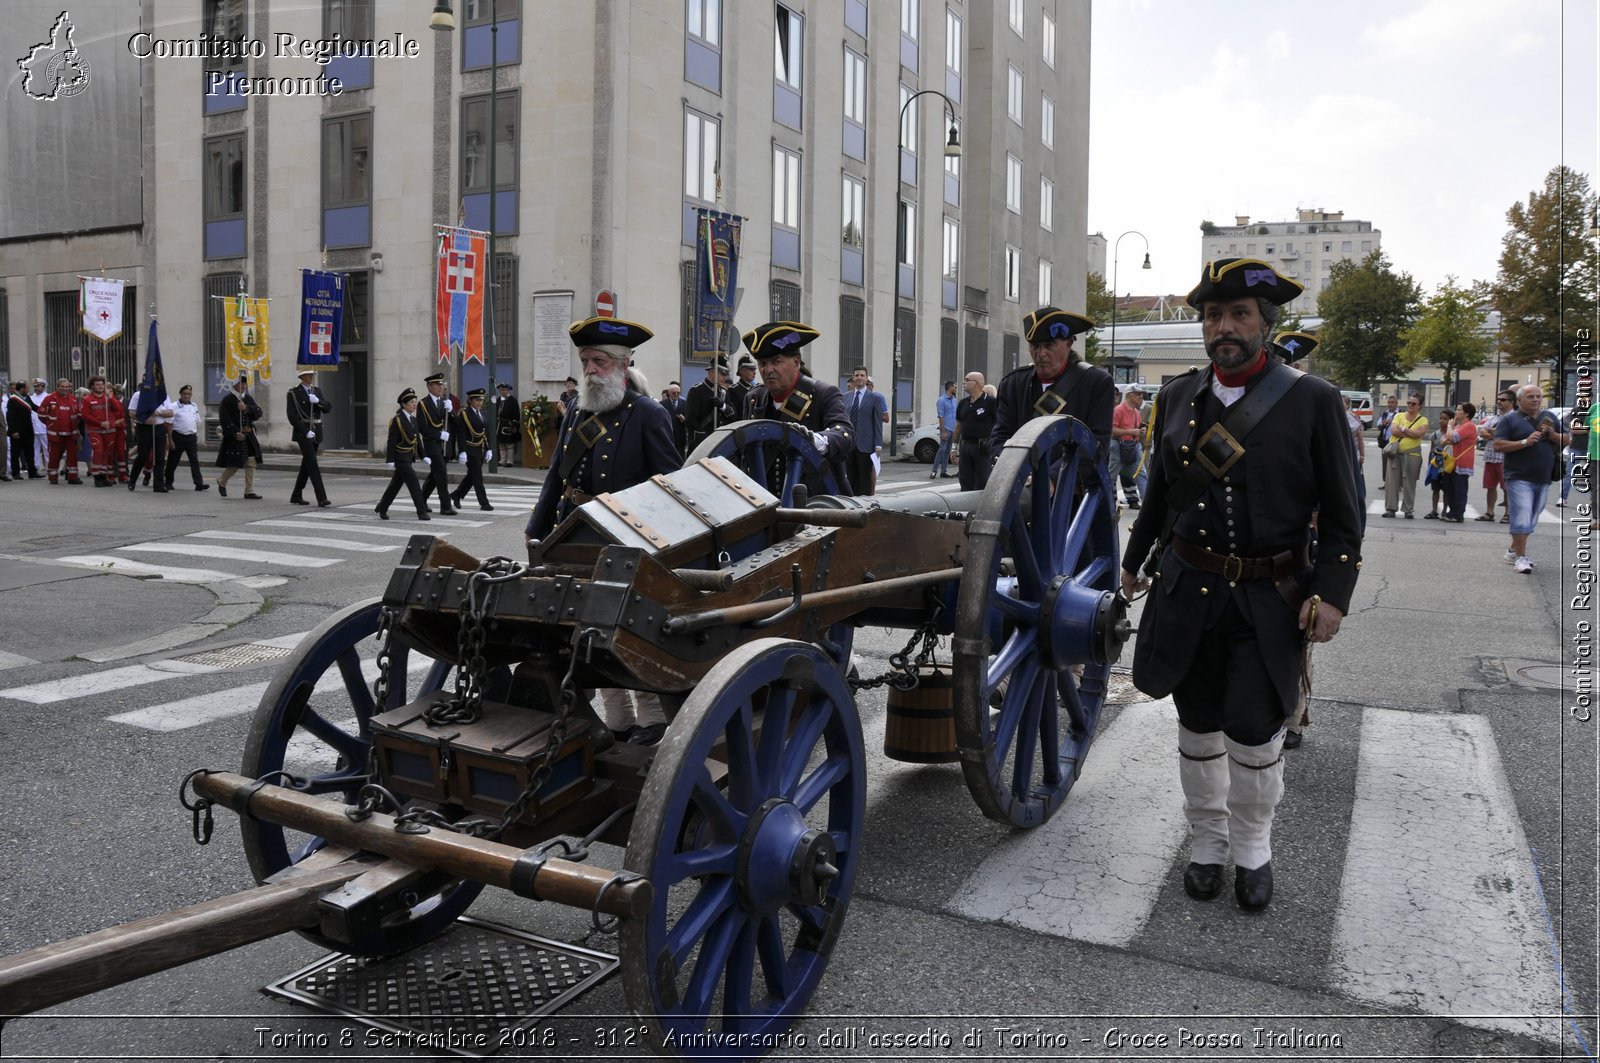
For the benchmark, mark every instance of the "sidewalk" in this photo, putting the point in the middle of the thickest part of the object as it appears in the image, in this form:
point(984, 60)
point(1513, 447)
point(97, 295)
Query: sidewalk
point(355, 463)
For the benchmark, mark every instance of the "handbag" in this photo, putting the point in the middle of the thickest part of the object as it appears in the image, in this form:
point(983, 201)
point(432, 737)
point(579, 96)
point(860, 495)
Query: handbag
point(1392, 447)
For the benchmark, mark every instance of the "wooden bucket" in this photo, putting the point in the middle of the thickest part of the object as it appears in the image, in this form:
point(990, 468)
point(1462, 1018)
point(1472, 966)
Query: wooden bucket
point(921, 724)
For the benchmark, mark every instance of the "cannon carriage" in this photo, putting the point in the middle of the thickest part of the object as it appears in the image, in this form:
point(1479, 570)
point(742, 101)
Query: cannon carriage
point(374, 817)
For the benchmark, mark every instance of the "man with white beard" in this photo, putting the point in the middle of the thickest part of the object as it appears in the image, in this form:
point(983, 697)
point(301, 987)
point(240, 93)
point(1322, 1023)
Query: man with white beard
point(613, 437)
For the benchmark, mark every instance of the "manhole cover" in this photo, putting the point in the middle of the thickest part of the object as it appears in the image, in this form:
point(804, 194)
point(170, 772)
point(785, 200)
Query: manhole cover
point(464, 993)
point(235, 656)
point(1543, 675)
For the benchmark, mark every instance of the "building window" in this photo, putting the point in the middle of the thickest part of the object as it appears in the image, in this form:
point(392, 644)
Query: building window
point(475, 142)
point(1366, 245)
point(786, 47)
point(63, 330)
point(1014, 94)
point(906, 234)
point(1047, 122)
point(700, 148)
point(214, 339)
point(224, 179)
point(785, 188)
point(952, 247)
point(1047, 42)
point(910, 15)
point(705, 22)
point(908, 119)
point(852, 331)
point(855, 87)
point(1272, 249)
point(350, 19)
point(1046, 278)
point(1013, 273)
point(1013, 184)
point(952, 42)
point(1047, 203)
point(224, 20)
point(855, 212)
point(1346, 246)
point(785, 297)
point(346, 155)
point(1016, 16)
point(1327, 248)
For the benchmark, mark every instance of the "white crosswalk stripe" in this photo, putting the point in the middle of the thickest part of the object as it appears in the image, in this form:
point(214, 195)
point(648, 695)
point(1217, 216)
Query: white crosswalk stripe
point(265, 557)
point(238, 535)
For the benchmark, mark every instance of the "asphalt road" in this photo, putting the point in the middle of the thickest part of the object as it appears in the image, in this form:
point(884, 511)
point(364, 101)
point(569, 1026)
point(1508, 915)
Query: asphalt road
point(1435, 852)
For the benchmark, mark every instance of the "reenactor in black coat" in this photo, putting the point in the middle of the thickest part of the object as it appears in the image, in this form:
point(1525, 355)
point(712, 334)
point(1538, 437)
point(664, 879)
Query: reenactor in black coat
point(739, 394)
point(612, 437)
point(240, 448)
point(402, 451)
point(507, 423)
point(786, 393)
point(306, 406)
point(472, 436)
point(1242, 454)
point(1058, 381)
point(708, 402)
point(433, 418)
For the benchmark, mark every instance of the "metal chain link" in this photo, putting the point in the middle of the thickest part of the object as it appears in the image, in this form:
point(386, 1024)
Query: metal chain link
point(466, 705)
point(903, 673)
point(380, 686)
point(582, 646)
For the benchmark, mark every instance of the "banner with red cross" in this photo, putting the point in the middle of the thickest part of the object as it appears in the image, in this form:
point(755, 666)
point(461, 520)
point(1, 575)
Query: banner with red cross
point(462, 277)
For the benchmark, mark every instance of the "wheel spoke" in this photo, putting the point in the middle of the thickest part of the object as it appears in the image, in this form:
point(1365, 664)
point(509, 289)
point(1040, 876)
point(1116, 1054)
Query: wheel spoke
point(1018, 646)
point(713, 901)
point(355, 685)
point(774, 962)
point(352, 746)
point(1050, 734)
point(843, 841)
point(434, 680)
point(741, 974)
point(806, 734)
point(1023, 613)
point(1041, 487)
point(1027, 746)
point(715, 952)
point(716, 859)
point(1030, 583)
point(727, 821)
point(1013, 706)
point(774, 732)
point(791, 476)
point(741, 745)
point(829, 774)
point(1077, 536)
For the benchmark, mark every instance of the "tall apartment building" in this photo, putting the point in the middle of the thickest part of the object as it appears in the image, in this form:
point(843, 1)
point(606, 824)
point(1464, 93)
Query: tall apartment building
point(821, 123)
point(1304, 249)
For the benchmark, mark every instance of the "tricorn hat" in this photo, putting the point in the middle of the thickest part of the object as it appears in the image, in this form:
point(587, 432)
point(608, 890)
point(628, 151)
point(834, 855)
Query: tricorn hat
point(1241, 278)
point(1048, 323)
point(433, 378)
point(607, 332)
point(406, 396)
point(778, 337)
point(1293, 346)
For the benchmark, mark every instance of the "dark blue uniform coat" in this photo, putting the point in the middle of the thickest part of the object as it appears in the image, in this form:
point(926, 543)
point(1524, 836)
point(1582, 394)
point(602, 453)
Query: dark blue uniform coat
point(637, 445)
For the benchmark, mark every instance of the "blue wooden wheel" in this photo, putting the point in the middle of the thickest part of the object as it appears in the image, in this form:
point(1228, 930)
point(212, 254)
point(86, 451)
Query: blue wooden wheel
point(752, 871)
point(759, 446)
point(1038, 621)
point(313, 722)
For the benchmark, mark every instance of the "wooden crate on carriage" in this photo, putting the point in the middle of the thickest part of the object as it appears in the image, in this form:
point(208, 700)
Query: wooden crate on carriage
point(482, 766)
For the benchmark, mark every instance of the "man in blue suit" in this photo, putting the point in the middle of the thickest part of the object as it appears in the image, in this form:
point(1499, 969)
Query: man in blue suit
point(867, 412)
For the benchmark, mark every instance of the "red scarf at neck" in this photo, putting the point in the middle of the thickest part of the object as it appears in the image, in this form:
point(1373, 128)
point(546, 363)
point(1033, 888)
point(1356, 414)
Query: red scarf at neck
point(1236, 378)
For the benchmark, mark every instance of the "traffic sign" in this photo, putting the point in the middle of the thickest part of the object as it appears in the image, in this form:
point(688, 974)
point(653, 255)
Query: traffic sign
point(605, 304)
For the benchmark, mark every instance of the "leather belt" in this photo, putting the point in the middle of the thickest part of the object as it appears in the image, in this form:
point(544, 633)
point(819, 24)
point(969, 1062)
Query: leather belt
point(1233, 568)
point(575, 496)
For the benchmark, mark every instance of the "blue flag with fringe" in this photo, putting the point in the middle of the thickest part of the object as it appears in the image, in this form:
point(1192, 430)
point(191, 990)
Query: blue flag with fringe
point(153, 388)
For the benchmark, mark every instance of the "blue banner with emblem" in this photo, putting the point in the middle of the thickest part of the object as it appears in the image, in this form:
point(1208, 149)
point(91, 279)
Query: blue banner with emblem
point(716, 281)
point(321, 319)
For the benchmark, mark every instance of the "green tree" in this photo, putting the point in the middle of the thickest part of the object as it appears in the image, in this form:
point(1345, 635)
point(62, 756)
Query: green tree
point(1546, 286)
point(1097, 307)
point(1448, 334)
point(1365, 308)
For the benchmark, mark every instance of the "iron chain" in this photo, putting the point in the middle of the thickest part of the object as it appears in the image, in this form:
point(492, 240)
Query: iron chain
point(903, 673)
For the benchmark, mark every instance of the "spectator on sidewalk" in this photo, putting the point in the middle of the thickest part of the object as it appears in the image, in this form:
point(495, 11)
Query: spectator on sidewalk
point(1437, 465)
point(1126, 456)
point(1406, 431)
point(1384, 425)
point(185, 436)
point(1531, 440)
point(975, 416)
point(1462, 437)
point(1494, 460)
point(867, 412)
point(945, 408)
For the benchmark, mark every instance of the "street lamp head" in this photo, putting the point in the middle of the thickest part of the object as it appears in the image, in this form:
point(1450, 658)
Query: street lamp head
point(443, 18)
point(952, 148)
point(1146, 261)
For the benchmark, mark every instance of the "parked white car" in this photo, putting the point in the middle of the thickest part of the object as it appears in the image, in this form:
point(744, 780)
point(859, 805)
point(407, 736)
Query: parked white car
point(922, 444)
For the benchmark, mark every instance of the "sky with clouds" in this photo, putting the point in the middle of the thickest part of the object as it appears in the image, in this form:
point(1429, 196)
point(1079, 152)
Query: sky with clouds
point(1428, 118)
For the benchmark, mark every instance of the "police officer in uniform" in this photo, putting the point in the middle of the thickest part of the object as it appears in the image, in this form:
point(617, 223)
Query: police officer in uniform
point(612, 437)
point(433, 417)
point(1058, 381)
point(472, 436)
point(787, 393)
point(1242, 454)
point(707, 405)
point(306, 406)
point(402, 450)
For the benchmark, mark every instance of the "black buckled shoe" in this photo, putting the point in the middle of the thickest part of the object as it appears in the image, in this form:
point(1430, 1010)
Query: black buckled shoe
point(1202, 881)
point(1253, 889)
point(1291, 740)
point(645, 734)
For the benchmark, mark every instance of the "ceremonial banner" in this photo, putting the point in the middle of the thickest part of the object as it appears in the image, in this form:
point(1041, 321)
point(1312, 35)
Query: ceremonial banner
point(321, 319)
point(153, 388)
point(100, 303)
point(245, 320)
point(458, 314)
point(716, 280)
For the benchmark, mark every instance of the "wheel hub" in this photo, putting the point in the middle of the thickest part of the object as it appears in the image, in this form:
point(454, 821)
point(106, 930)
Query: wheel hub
point(783, 860)
point(1081, 625)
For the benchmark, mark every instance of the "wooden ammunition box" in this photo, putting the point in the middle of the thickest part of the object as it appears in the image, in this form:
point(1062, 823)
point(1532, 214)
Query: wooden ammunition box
point(482, 766)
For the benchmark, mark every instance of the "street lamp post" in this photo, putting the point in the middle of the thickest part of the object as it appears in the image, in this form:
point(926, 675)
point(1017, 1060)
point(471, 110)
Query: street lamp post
point(952, 148)
point(1114, 296)
point(443, 19)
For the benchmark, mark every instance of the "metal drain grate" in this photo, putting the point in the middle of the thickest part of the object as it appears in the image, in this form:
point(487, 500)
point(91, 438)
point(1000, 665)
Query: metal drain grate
point(1543, 675)
point(461, 994)
point(235, 656)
